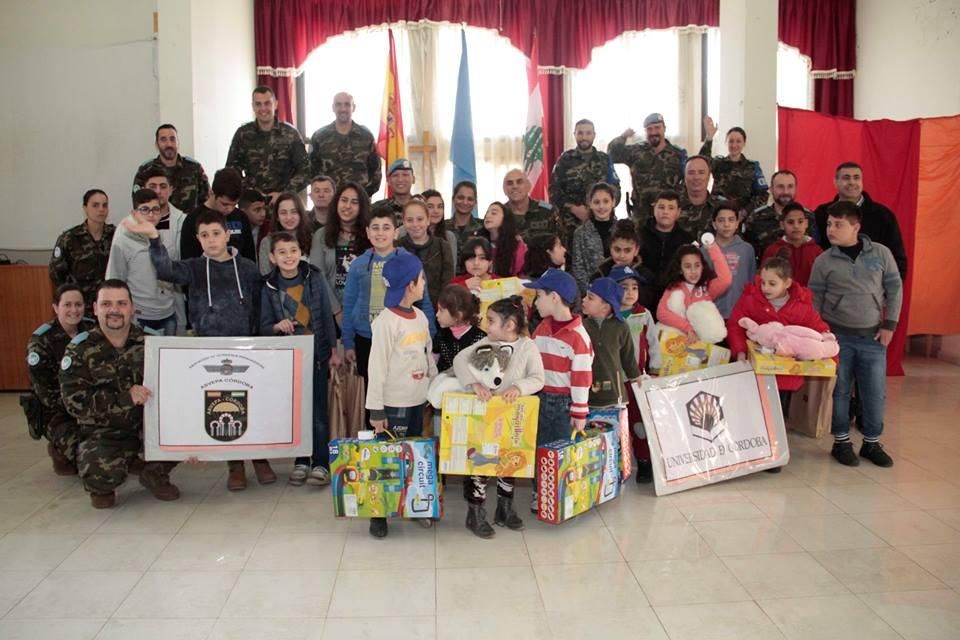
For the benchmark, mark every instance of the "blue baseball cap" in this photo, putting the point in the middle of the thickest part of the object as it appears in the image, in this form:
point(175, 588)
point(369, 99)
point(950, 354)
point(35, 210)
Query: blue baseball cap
point(557, 281)
point(399, 271)
point(398, 165)
point(619, 274)
point(610, 292)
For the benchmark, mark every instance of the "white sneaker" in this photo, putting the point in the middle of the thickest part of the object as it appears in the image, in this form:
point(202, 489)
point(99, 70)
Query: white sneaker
point(299, 474)
point(319, 477)
point(534, 505)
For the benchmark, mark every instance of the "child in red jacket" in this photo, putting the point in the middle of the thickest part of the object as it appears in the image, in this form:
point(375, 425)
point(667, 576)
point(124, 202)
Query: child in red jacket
point(795, 245)
point(774, 297)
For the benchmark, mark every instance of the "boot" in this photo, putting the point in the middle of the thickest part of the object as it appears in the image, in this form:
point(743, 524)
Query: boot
point(644, 472)
point(378, 527)
point(506, 516)
point(158, 483)
point(264, 473)
point(237, 480)
point(103, 500)
point(61, 465)
point(135, 465)
point(477, 521)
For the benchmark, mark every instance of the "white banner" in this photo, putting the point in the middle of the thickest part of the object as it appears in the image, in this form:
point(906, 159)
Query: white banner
point(711, 425)
point(228, 398)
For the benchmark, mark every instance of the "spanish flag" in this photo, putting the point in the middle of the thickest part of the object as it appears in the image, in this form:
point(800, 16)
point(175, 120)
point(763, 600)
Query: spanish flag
point(391, 143)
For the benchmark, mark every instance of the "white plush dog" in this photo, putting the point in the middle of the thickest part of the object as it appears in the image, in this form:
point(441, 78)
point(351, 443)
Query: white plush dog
point(702, 315)
point(487, 362)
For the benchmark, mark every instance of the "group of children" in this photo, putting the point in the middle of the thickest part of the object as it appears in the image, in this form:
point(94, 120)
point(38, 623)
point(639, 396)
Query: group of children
point(595, 330)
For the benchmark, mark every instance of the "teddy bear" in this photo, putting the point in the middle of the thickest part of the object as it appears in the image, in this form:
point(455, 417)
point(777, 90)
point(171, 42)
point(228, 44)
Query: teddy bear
point(487, 362)
point(702, 315)
point(793, 341)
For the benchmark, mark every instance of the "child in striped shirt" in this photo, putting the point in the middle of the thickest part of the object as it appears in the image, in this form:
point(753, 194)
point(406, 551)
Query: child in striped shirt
point(567, 355)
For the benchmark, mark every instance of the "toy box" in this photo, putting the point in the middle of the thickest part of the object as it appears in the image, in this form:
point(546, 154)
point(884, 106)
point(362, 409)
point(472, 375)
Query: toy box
point(385, 478)
point(500, 288)
point(616, 419)
point(772, 364)
point(575, 475)
point(680, 357)
point(492, 438)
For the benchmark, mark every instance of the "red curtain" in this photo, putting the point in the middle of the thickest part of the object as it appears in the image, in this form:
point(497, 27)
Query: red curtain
point(812, 145)
point(286, 31)
point(551, 87)
point(826, 31)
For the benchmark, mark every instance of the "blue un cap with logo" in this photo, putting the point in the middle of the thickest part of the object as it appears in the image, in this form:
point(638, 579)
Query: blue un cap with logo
point(398, 165)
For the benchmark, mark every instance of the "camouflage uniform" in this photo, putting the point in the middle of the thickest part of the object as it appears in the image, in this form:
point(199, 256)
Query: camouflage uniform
point(762, 228)
point(95, 380)
point(573, 176)
point(462, 234)
point(269, 161)
point(346, 158)
point(541, 217)
point(696, 218)
point(187, 178)
point(651, 172)
point(740, 180)
point(391, 204)
point(79, 259)
point(44, 353)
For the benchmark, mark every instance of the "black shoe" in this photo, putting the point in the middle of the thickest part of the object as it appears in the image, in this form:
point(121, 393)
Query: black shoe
point(774, 470)
point(644, 472)
point(506, 516)
point(873, 451)
point(477, 521)
point(378, 527)
point(843, 452)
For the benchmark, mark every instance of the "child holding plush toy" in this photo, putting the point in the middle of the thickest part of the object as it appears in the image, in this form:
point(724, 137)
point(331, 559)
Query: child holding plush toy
point(691, 287)
point(520, 374)
point(775, 297)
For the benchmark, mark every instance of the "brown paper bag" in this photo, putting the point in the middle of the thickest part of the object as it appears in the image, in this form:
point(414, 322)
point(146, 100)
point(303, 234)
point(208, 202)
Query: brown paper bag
point(811, 407)
point(354, 400)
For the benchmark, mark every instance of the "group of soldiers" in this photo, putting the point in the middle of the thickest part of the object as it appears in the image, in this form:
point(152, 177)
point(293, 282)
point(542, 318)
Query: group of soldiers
point(88, 375)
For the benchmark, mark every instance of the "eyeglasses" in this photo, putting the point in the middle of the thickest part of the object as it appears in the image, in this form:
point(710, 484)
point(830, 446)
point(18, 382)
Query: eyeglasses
point(149, 210)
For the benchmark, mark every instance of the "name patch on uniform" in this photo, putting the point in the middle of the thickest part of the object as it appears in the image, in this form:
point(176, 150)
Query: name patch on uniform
point(33, 358)
point(66, 362)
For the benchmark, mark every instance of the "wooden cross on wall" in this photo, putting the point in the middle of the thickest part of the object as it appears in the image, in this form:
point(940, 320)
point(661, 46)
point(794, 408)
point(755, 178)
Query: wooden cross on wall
point(426, 149)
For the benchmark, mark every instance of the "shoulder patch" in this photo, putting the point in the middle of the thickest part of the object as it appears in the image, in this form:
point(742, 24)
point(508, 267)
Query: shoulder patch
point(66, 362)
point(57, 252)
point(545, 205)
point(42, 329)
point(33, 358)
point(80, 337)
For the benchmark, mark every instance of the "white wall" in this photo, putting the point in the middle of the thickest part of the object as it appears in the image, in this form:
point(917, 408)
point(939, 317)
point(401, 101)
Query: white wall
point(907, 51)
point(81, 112)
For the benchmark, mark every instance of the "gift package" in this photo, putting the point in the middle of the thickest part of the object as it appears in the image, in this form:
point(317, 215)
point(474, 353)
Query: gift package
point(616, 418)
point(575, 475)
point(772, 364)
point(488, 438)
point(385, 478)
point(680, 357)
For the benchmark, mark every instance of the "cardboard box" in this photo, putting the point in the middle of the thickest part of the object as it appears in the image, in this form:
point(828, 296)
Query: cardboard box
point(811, 407)
point(500, 288)
point(492, 438)
point(385, 478)
point(616, 419)
point(575, 476)
point(773, 365)
point(680, 357)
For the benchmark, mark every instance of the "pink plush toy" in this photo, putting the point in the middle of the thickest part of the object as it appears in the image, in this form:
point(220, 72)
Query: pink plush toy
point(800, 343)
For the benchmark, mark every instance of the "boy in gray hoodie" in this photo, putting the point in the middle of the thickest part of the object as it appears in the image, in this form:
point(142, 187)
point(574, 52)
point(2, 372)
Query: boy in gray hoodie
point(224, 296)
point(740, 255)
point(857, 289)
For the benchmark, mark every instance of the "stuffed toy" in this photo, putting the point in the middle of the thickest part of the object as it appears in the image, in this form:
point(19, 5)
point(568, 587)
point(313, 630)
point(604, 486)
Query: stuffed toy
point(702, 315)
point(792, 341)
point(487, 362)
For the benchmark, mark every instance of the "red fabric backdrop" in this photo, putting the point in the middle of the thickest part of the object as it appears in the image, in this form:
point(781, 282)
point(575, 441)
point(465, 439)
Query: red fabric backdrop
point(813, 144)
point(826, 31)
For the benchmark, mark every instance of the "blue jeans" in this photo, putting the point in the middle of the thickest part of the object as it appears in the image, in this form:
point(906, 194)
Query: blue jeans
point(863, 361)
point(553, 423)
point(167, 325)
point(405, 422)
point(321, 423)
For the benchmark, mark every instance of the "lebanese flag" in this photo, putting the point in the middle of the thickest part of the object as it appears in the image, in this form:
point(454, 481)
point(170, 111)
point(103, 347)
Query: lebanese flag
point(391, 143)
point(533, 136)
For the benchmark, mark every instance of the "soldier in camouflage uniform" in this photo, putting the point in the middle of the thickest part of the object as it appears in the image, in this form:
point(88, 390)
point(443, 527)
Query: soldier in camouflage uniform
point(186, 176)
point(762, 226)
point(101, 381)
point(269, 154)
point(696, 203)
point(575, 172)
point(532, 216)
point(655, 165)
point(44, 353)
point(344, 150)
point(734, 176)
point(81, 253)
point(401, 179)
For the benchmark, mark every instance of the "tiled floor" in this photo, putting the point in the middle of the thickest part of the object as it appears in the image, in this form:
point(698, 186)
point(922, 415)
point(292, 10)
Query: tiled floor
point(819, 551)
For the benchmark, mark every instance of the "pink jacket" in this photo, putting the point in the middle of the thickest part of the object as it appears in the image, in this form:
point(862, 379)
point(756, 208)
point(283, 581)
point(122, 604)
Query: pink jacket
point(714, 288)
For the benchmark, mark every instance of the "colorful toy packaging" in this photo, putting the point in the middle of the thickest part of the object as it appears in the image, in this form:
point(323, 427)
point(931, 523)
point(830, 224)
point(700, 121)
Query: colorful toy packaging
point(772, 364)
point(575, 475)
point(492, 438)
point(616, 418)
point(680, 357)
point(500, 288)
point(385, 478)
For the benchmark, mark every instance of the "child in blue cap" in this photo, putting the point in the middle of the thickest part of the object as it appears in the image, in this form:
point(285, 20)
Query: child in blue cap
point(614, 359)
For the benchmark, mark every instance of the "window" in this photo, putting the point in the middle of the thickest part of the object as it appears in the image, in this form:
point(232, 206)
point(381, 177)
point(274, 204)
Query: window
point(794, 82)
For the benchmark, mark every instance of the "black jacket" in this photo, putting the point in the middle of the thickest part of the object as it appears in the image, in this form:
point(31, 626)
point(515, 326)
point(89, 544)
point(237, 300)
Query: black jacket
point(879, 224)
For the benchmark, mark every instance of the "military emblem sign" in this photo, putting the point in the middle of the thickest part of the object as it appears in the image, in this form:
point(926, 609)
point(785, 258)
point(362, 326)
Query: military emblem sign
point(225, 415)
point(710, 425)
